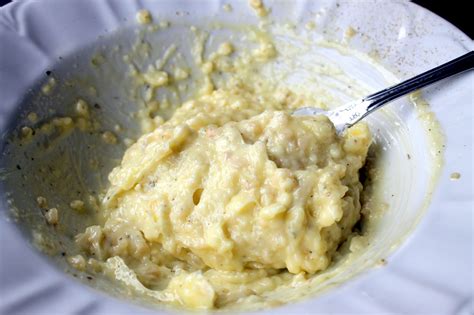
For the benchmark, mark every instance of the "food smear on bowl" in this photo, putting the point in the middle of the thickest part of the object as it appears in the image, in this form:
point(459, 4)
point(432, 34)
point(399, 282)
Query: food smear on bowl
point(455, 176)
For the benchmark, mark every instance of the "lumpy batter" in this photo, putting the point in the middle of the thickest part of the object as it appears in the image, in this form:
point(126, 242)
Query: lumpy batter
point(230, 198)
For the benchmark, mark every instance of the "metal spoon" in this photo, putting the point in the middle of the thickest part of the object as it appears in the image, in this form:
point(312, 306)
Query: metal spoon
point(347, 115)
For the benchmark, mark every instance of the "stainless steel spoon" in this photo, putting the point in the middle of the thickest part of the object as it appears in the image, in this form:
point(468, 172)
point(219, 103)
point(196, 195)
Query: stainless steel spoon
point(347, 115)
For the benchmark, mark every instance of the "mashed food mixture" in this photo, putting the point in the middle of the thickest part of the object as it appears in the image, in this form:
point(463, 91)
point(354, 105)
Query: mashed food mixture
point(229, 199)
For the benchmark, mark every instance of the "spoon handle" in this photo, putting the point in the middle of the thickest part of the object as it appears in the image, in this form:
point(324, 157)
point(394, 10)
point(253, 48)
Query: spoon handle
point(456, 66)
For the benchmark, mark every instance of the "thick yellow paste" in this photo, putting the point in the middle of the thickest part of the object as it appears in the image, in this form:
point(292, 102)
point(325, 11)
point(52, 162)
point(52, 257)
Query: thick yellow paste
point(229, 198)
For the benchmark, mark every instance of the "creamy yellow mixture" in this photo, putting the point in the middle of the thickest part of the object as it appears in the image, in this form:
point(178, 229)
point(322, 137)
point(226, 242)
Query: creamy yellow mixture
point(232, 197)
point(229, 198)
point(227, 201)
